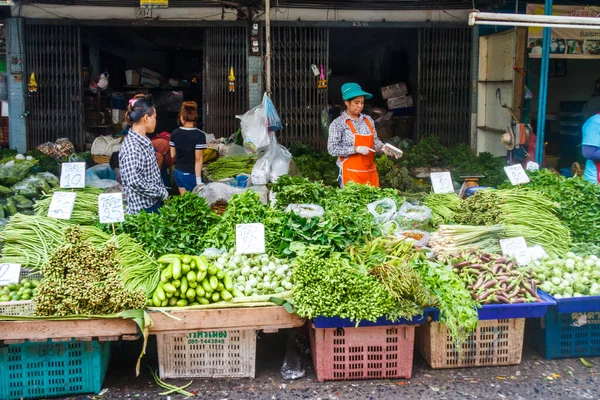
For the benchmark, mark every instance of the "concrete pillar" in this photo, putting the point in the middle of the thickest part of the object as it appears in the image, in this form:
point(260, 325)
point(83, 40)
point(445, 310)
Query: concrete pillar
point(255, 79)
point(17, 84)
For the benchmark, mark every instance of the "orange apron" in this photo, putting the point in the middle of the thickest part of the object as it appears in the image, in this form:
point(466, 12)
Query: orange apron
point(357, 167)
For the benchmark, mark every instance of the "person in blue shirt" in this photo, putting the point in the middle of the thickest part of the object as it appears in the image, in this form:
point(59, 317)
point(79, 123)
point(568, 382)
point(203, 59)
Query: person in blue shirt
point(590, 147)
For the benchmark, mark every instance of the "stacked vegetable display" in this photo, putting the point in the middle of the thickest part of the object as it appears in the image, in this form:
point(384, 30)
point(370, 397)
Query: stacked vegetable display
point(191, 280)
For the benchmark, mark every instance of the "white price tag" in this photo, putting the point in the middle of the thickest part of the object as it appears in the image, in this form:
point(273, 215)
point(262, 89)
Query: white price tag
point(72, 175)
point(250, 239)
point(536, 252)
point(110, 208)
point(533, 166)
point(61, 205)
point(516, 248)
point(516, 174)
point(442, 182)
point(9, 273)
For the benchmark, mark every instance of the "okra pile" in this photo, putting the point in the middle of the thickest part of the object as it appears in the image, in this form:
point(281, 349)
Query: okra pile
point(187, 280)
point(492, 278)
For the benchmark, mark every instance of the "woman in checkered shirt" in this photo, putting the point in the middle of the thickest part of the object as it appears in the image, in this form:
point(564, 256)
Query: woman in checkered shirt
point(143, 186)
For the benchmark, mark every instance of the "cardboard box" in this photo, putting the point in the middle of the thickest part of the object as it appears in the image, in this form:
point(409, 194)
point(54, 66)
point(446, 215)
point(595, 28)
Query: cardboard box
point(149, 73)
point(132, 77)
point(395, 90)
point(400, 102)
point(149, 82)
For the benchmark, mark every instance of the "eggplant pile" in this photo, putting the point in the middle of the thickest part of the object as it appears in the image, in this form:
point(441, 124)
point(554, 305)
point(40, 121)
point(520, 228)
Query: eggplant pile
point(494, 279)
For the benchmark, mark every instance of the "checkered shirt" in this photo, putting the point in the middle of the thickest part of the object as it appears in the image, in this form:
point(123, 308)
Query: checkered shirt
point(341, 138)
point(140, 175)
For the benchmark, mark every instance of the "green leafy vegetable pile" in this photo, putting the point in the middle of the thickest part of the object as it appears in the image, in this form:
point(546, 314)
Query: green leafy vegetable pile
point(392, 174)
point(178, 228)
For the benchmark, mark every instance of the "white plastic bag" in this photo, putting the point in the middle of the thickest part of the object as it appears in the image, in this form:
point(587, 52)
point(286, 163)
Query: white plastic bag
point(254, 128)
point(280, 159)
point(306, 210)
point(261, 171)
point(383, 210)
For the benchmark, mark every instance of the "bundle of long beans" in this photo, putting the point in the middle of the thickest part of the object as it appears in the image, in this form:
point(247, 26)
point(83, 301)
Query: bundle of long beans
point(444, 207)
point(140, 270)
point(454, 238)
point(30, 240)
point(523, 213)
point(229, 167)
point(85, 209)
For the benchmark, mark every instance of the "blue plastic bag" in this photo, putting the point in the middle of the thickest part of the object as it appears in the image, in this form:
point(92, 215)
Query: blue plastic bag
point(273, 119)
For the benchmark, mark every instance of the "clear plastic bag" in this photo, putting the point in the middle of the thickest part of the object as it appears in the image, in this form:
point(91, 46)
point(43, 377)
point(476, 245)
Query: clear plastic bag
point(219, 191)
point(32, 186)
point(52, 179)
point(292, 364)
point(100, 171)
point(417, 237)
point(13, 172)
point(413, 217)
point(254, 128)
point(306, 210)
point(383, 210)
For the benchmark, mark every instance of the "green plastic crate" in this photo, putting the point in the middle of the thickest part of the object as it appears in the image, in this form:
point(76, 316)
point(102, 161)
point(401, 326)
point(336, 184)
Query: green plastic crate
point(50, 369)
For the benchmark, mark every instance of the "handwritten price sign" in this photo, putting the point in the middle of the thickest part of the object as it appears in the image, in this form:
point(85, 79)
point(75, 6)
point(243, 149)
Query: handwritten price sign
point(110, 208)
point(61, 206)
point(72, 175)
point(516, 174)
point(516, 248)
point(250, 238)
point(9, 273)
point(441, 182)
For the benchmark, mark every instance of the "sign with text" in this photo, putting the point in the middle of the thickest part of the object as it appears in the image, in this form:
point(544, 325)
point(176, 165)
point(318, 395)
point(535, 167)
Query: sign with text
point(72, 175)
point(516, 174)
point(110, 208)
point(533, 166)
point(154, 3)
point(61, 205)
point(442, 182)
point(516, 248)
point(565, 42)
point(250, 239)
point(9, 273)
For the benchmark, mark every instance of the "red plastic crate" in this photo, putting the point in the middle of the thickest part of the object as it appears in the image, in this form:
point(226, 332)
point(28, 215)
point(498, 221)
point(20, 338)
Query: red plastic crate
point(377, 352)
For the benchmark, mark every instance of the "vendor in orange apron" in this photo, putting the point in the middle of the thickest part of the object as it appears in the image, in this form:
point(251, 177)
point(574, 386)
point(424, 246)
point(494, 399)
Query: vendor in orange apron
point(353, 139)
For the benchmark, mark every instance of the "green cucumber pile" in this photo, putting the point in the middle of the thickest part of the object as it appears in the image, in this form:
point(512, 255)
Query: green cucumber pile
point(187, 280)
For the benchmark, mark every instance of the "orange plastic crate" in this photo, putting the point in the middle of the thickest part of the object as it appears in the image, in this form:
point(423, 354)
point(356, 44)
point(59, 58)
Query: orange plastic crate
point(378, 352)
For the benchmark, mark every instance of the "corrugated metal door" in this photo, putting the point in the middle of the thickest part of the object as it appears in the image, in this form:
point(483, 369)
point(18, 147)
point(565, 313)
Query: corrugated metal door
point(444, 84)
point(294, 86)
point(225, 47)
point(53, 53)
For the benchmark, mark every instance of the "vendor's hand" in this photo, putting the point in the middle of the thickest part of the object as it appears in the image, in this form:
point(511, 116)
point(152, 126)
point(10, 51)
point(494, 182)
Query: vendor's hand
point(364, 150)
point(199, 181)
point(391, 152)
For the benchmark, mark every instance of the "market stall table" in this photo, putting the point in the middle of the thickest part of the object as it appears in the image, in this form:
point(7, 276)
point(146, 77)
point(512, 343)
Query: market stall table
point(268, 319)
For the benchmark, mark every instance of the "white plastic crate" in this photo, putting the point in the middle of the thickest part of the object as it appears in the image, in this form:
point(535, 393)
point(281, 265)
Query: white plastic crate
point(22, 308)
point(207, 354)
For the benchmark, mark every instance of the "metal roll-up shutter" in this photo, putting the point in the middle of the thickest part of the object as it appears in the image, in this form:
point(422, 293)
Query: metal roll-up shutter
point(294, 86)
point(225, 47)
point(53, 53)
point(443, 106)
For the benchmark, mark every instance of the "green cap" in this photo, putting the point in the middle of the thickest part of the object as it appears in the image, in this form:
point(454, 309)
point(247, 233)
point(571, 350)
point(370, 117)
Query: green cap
point(351, 90)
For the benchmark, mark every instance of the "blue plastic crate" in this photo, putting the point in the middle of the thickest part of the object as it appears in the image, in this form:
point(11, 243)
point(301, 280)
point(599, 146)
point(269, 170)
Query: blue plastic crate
point(565, 335)
point(338, 322)
point(508, 311)
point(51, 369)
point(578, 304)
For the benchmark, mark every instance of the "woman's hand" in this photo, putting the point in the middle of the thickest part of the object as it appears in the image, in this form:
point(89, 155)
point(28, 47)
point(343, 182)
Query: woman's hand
point(364, 150)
